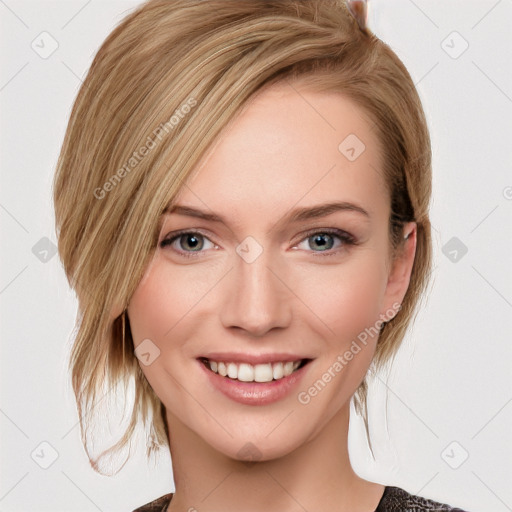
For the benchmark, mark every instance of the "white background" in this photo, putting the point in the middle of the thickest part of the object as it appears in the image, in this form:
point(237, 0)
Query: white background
point(451, 381)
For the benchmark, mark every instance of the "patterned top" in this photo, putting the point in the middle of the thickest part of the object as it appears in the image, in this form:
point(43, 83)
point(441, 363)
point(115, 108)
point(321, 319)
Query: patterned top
point(394, 499)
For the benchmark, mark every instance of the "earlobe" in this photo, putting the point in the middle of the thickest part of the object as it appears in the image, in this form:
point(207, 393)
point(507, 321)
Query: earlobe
point(116, 311)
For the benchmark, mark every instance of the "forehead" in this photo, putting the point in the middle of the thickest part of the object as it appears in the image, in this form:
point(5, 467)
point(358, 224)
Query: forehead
point(290, 146)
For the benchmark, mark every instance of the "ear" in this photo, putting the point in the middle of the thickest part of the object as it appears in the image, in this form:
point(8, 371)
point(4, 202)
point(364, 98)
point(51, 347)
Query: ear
point(401, 269)
point(116, 310)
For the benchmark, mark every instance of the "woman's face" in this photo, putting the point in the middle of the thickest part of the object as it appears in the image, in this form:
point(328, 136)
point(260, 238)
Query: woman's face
point(272, 277)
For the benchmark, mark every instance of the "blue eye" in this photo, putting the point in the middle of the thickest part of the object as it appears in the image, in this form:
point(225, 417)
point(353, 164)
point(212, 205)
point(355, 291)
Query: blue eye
point(191, 243)
point(325, 240)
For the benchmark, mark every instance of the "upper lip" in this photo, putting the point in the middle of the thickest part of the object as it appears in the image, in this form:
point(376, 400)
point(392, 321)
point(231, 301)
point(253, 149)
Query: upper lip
point(237, 357)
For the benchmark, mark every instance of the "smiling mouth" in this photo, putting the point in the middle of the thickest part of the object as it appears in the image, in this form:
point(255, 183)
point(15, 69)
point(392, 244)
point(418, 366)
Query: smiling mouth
point(245, 372)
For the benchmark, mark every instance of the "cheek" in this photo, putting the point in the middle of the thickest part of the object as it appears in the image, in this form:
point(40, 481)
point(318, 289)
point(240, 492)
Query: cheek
point(166, 309)
point(349, 303)
point(346, 298)
point(163, 299)
point(158, 311)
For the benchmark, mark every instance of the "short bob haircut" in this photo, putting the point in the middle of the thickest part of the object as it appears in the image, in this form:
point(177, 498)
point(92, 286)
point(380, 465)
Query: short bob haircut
point(164, 84)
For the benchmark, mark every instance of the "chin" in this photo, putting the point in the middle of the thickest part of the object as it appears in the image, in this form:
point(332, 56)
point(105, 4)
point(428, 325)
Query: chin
point(256, 446)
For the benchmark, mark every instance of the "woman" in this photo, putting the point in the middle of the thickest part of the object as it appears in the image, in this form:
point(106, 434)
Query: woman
point(242, 204)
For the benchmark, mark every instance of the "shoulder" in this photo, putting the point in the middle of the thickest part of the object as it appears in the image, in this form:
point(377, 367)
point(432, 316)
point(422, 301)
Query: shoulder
point(395, 499)
point(158, 505)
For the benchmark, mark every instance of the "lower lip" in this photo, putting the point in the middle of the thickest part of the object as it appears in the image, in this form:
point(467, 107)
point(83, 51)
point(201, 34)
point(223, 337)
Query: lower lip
point(255, 393)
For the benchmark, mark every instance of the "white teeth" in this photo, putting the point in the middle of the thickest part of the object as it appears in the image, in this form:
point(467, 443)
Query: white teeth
point(232, 370)
point(221, 368)
point(245, 372)
point(278, 371)
point(263, 373)
point(254, 373)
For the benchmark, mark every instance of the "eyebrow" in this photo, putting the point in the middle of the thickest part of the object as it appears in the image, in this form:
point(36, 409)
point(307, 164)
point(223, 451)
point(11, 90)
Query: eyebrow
point(296, 215)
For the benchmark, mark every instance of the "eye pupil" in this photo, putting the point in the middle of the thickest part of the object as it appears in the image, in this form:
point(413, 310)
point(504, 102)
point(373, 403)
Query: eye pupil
point(320, 239)
point(195, 241)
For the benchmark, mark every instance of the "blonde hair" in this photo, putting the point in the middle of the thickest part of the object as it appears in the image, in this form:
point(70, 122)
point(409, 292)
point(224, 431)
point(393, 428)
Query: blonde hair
point(168, 79)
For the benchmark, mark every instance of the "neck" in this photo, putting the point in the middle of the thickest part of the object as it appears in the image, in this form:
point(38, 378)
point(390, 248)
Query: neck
point(316, 476)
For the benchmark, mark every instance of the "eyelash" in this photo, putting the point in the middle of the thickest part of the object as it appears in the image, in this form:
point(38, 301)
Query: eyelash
point(345, 237)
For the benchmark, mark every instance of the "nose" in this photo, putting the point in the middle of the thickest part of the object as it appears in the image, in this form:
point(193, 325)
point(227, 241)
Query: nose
point(255, 297)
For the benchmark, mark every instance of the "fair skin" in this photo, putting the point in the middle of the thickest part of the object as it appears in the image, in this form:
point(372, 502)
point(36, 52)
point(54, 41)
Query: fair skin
point(306, 293)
